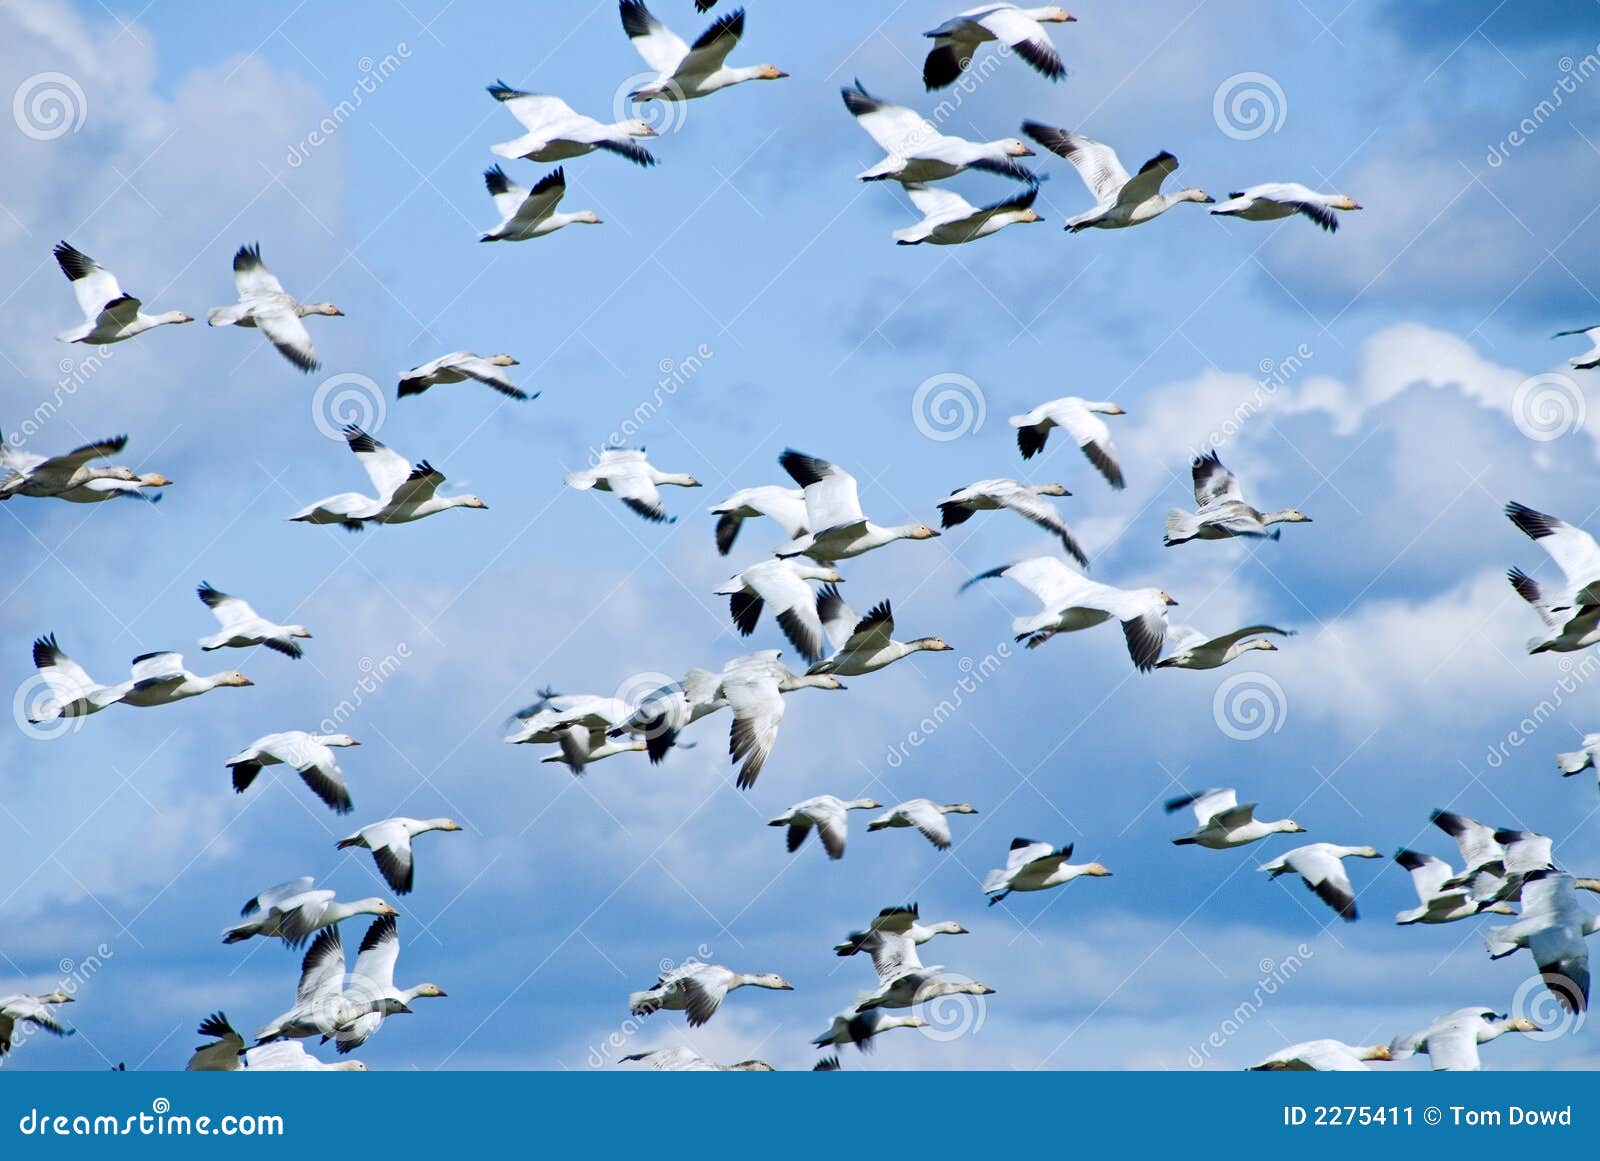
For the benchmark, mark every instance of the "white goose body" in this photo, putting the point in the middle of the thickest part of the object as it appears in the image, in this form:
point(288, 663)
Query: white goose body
point(684, 72)
point(1188, 648)
point(578, 723)
point(530, 213)
point(31, 474)
point(462, 367)
point(1437, 902)
point(243, 627)
point(752, 686)
point(1020, 29)
point(1122, 200)
point(1552, 926)
point(1221, 512)
point(294, 911)
point(1452, 1040)
point(310, 755)
point(919, 153)
point(1080, 419)
point(863, 644)
point(406, 493)
point(948, 219)
point(264, 304)
point(838, 527)
point(557, 132)
point(390, 841)
point(698, 990)
point(225, 1051)
point(1284, 199)
point(33, 1012)
point(371, 986)
point(782, 585)
point(1321, 868)
point(827, 815)
point(627, 474)
point(930, 818)
point(1322, 1056)
point(69, 690)
point(161, 679)
point(786, 507)
point(109, 315)
point(1590, 359)
point(1027, 500)
point(1035, 866)
point(1224, 822)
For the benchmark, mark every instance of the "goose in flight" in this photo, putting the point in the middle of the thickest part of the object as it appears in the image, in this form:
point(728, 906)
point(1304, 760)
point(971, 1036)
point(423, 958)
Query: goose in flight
point(1322, 1056)
point(530, 213)
point(321, 1004)
point(1188, 648)
point(684, 72)
point(917, 152)
point(577, 723)
point(1022, 29)
point(295, 911)
point(928, 817)
point(390, 843)
point(892, 939)
point(838, 528)
point(264, 304)
point(34, 1011)
point(864, 644)
point(109, 315)
point(828, 815)
point(1220, 509)
point(1573, 762)
point(1222, 821)
point(698, 989)
point(458, 367)
point(1284, 199)
point(1527, 854)
point(1452, 1040)
point(310, 755)
point(634, 480)
point(161, 679)
point(1080, 419)
point(1590, 359)
point(96, 491)
point(786, 507)
point(371, 985)
point(1120, 200)
point(782, 585)
point(405, 493)
point(557, 132)
point(853, 1026)
point(1027, 500)
point(242, 626)
point(680, 1059)
point(30, 474)
point(225, 1051)
point(1552, 926)
point(1321, 868)
point(1073, 602)
point(1575, 628)
point(1438, 903)
point(1482, 856)
point(663, 713)
point(1035, 866)
point(919, 985)
point(69, 690)
point(948, 219)
point(1575, 553)
point(753, 687)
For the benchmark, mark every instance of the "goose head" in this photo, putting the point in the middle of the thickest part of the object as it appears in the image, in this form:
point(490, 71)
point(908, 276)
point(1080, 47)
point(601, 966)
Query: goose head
point(57, 997)
point(958, 808)
point(948, 927)
point(637, 128)
point(470, 501)
point(446, 824)
point(350, 1066)
point(233, 677)
point(768, 72)
point(338, 740)
point(1193, 194)
point(1288, 516)
point(431, 990)
point(1050, 490)
point(932, 644)
point(1096, 869)
point(1496, 909)
point(177, 316)
point(1029, 216)
point(153, 480)
point(811, 681)
point(1258, 643)
point(1165, 599)
point(587, 217)
point(1374, 1052)
point(864, 804)
point(1012, 147)
point(118, 473)
point(502, 360)
point(326, 308)
point(1513, 1024)
point(1365, 852)
point(751, 1066)
point(372, 906)
point(680, 479)
point(1288, 826)
point(1106, 408)
point(920, 532)
point(299, 631)
point(1345, 202)
point(1053, 15)
point(769, 980)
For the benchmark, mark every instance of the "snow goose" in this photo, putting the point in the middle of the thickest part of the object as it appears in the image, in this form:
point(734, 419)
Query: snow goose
point(1527, 854)
point(680, 1059)
point(1073, 602)
point(1575, 761)
point(1482, 857)
point(242, 626)
point(225, 1051)
point(948, 219)
point(1220, 509)
point(1022, 29)
point(918, 985)
point(1188, 648)
point(371, 986)
point(1552, 926)
point(663, 713)
point(864, 644)
point(458, 367)
point(607, 749)
point(1590, 359)
point(1224, 822)
point(1035, 866)
point(927, 816)
point(321, 1006)
point(557, 132)
point(96, 491)
point(69, 690)
point(30, 474)
point(311, 756)
point(856, 1027)
point(893, 937)
point(786, 507)
point(1322, 1056)
point(1284, 199)
point(781, 584)
point(390, 843)
point(109, 315)
point(1452, 1040)
point(1027, 500)
point(698, 989)
point(578, 723)
point(839, 530)
point(683, 71)
point(752, 686)
point(633, 479)
point(1120, 200)
point(33, 1011)
point(405, 493)
point(830, 817)
point(530, 213)
point(1575, 553)
point(920, 153)
point(1565, 632)
point(1080, 419)
point(1437, 902)
point(1321, 868)
point(161, 679)
point(295, 911)
point(264, 304)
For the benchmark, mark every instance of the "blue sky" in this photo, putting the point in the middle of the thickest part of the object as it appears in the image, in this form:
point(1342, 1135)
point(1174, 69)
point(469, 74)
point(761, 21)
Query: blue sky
point(1397, 430)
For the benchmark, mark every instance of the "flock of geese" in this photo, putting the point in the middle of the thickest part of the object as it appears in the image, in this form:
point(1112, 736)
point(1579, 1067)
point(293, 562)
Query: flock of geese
point(818, 520)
